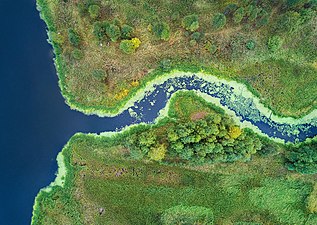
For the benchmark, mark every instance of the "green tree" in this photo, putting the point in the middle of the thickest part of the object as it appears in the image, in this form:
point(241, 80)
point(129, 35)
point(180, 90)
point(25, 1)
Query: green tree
point(303, 158)
point(77, 54)
point(100, 29)
point(274, 43)
point(73, 37)
point(161, 30)
point(113, 32)
point(219, 21)
point(94, 11)
point(250, 44)
point(126, 31)
point(238, 15)
point(190, 22)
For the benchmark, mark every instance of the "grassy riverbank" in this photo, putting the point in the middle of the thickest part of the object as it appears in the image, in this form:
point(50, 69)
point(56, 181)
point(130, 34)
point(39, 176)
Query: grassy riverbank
point(103, 78)
point(105, 184)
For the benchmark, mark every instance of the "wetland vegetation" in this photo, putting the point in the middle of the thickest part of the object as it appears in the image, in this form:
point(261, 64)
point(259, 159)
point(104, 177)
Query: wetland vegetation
point(196, 165)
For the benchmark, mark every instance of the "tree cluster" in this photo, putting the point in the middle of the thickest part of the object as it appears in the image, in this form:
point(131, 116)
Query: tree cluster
point(302, 158)
point(212, 139)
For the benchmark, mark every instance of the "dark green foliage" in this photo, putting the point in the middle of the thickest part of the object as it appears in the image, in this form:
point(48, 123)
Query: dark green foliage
point(197, 36)
point(302, 158)
point(126, 31)
point(113, 32)
point(165, 65)
point(161, 30)
point(73, 37)
point(185, 215)
point(274, 43)
point(94, 11)
point(250, 44)
point(77, 54)
point(191, 22)
point(288, 22)
point(219, 21)
point(238, 15)
point(230, 9)
point(100, 29)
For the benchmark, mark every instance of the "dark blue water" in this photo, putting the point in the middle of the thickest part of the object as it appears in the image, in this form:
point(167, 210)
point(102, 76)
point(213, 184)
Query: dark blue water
point(36, 123)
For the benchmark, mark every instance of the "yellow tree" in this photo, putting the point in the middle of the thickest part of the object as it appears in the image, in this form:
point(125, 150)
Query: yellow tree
point(158, 152)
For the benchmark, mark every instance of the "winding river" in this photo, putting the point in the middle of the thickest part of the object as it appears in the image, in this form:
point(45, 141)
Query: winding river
point(36, 122)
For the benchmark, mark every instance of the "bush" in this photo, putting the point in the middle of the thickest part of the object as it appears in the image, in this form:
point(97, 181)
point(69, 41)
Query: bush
point(238, 15)
point(250, 44)
point(190, 22)
point(94, 11)
point(113, 32)
point(302, 158)
point(179, 215)
point(196, 36)
point(219, 21)
point(77, 54)
point(73, 37)
point(274, 43)
point(126, 31)
point(161, 30)
point(56, 38)
point(165, 65)
point(100, 29)
point(211, 47)
point(312, 200)
point(129, 46)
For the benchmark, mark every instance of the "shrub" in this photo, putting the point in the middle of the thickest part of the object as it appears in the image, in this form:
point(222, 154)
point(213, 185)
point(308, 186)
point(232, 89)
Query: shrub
point(193, 43)
point(73, 37)
point(100, 29)
point(179, 215)
point(190, 22)
point(238, 15)
point(77, 54)
point(196, 36)
point(113, 32)
point(94, 11)
point(312, 200)
point(129, 46)
point(303, 158)
point(211, 47)
point(161, 30)
point(157, 153)
point(126, 31)
point(274, 43)
point(250, 44)
point(165, 65)
point(219, 21)
point(56, 37)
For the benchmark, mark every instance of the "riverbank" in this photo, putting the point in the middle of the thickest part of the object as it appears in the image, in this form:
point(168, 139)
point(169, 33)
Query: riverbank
point(46, 7)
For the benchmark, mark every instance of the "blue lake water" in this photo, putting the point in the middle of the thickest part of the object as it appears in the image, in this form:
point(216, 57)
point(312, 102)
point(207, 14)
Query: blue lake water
point(35, 121)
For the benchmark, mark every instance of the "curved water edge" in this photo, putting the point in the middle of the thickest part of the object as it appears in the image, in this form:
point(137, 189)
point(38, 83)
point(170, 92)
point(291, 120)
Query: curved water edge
point(234, 97)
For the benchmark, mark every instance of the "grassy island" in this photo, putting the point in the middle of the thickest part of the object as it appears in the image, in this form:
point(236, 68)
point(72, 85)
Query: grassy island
point(196, 161)
point(105, 50)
